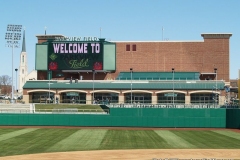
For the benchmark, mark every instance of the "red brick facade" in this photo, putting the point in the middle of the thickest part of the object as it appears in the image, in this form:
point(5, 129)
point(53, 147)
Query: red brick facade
point(203, 57)
point(192, 56)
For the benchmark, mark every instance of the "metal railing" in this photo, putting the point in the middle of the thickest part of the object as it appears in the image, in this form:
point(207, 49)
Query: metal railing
point(55, 111)
point(72, 111)
point(169, 106)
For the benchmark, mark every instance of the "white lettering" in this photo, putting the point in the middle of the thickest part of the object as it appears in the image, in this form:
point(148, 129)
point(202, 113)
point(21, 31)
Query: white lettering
point(85, 48)
point(74, 48)
point(56, 47)
point(61, 49)
point(97, 48)
point(76, 38)
point(65, 49)
point(80, 48)
point(69, 48)
point(93, 45)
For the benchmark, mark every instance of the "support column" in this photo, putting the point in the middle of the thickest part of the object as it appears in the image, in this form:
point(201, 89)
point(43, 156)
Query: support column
point(88, 99)
point(187, 99)
point(154, 99)
point(55, 98)
point(26, 99)
point(121, 99)
point(221, 100)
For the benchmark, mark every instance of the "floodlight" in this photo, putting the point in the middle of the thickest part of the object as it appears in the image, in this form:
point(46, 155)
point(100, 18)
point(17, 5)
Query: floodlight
point(12, 41)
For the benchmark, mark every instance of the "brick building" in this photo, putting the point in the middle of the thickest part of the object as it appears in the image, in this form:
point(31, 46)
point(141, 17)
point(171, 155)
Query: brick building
point(201, 63)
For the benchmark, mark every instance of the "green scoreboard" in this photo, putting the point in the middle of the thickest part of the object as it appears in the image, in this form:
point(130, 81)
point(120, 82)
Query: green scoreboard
point(76, 55)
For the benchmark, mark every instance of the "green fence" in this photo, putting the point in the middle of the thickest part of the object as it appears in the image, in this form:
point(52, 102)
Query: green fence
point(233, 118)
point(131, 117)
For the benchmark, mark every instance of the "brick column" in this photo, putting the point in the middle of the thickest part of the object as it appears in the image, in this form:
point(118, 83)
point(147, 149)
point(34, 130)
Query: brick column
point(221, 100)
point(121, 99)
point(25, 98)
point(154, 99)
point(55, 96)
point(88, 99)
point(187, 99)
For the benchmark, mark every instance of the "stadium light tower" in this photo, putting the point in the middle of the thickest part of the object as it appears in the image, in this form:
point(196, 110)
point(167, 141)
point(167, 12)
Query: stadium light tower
point(173, 84)
point(13, 36)
point(131, 70)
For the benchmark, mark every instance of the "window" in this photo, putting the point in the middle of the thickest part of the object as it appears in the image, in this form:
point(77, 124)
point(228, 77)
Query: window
point(167, 98)
point(22, 59)
point(22, 71)
point(134, 47)
point(128, 47)
point(203, 98)
point(138, 98)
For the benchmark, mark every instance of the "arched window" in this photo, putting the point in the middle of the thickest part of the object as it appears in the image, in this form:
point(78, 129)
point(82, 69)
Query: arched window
point(22, 71)
point(22, 59)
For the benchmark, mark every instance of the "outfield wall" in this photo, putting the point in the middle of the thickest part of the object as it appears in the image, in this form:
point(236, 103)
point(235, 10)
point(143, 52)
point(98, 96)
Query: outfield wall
point(233, 118)
point(131, 117)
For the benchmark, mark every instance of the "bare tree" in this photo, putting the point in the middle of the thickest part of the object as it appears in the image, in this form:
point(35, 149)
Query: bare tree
point(5, 84)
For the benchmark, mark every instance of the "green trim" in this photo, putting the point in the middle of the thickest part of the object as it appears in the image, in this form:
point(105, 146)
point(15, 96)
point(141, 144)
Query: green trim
point(158, 76)
point(120, 85)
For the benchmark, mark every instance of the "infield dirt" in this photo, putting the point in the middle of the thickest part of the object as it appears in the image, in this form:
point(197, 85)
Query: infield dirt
point(143, 154)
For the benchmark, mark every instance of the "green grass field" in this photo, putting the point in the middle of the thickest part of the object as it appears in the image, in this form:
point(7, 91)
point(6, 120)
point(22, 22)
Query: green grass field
point(17, 141)
point(80, 107)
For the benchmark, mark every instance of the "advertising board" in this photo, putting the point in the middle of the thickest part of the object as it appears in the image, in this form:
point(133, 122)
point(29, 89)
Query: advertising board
point(73, 55)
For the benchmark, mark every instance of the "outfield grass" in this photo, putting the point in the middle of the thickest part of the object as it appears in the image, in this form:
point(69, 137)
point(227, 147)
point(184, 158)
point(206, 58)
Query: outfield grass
point(39, 140)
point(80, 107)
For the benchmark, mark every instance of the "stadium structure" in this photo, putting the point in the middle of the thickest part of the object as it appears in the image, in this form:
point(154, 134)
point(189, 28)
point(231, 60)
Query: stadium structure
point(93, 70)
point(136, 83)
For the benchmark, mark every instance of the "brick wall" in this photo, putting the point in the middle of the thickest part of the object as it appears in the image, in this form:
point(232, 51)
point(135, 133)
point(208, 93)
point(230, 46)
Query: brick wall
point(200, 57)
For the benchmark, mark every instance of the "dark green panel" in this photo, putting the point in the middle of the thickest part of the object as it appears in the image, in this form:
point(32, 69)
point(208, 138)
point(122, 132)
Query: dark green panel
point(233, 118)
point(66, 55)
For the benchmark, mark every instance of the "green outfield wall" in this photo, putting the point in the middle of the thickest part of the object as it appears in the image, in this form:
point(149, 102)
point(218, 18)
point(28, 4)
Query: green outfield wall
point(233, 118)
point(133, 117)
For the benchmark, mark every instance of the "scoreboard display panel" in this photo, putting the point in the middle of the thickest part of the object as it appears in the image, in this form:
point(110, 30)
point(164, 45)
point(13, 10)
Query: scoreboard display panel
point(75, 55)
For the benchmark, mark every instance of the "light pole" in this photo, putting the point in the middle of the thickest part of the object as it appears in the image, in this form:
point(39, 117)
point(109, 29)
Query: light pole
point(131, 70)
point(173, 84)
point(49, 86)
point(49, 98)
point(216, 95)
point(16, 79)
point(13, 36)
point(93, 85)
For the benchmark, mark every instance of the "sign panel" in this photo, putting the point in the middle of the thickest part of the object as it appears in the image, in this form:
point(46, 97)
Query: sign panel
point(170, 95)
point(72, 94)
point(75, 55)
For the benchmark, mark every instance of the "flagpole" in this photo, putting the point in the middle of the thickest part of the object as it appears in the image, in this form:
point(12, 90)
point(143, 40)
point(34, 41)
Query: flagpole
point(162, 33)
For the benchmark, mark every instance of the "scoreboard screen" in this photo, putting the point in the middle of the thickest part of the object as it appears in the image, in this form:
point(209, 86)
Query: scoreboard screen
point(75, 55)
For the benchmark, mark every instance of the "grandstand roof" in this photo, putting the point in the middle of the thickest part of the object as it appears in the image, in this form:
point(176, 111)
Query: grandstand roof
point(126, 84)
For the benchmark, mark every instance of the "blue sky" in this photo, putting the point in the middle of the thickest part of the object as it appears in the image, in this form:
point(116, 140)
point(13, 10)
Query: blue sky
point(120, 20)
